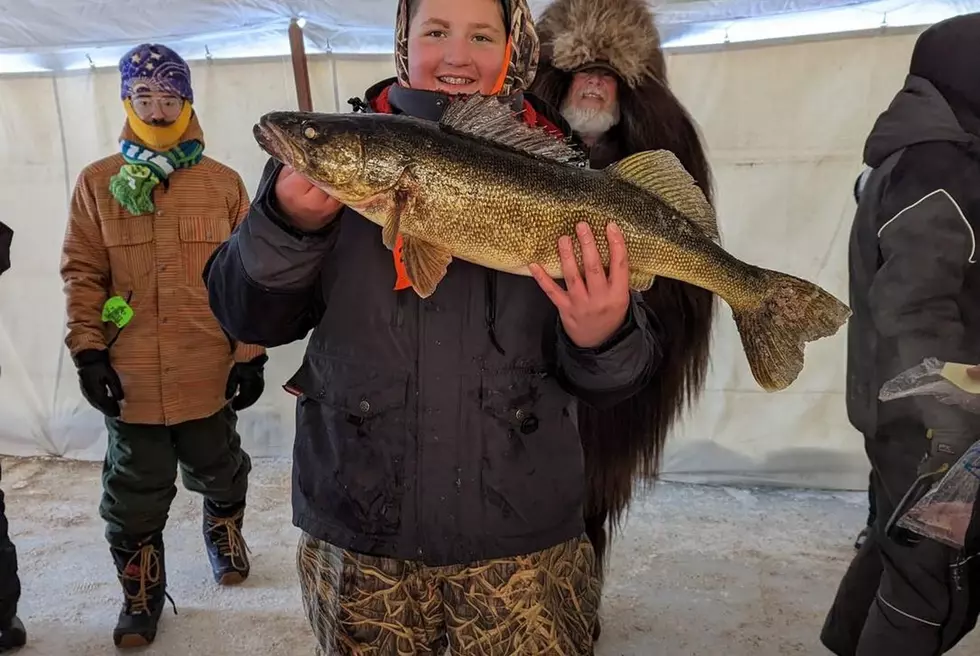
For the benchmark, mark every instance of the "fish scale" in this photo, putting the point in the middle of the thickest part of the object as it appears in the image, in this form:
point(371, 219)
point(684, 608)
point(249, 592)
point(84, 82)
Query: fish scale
point(484, 187)
point(532, 203)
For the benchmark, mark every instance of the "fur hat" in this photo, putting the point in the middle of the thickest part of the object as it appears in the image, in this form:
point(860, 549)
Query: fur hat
point(619, 34)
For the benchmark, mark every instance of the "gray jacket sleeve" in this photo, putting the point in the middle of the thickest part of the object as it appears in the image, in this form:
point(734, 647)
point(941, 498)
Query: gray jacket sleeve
point(264, 283)
point(926, 248)
point(617, 370)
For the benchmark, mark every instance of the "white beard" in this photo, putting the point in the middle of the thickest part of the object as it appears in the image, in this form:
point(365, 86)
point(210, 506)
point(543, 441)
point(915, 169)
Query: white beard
point(590, 122)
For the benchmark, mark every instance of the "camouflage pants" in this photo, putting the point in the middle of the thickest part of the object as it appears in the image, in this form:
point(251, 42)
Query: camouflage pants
point(542, 603)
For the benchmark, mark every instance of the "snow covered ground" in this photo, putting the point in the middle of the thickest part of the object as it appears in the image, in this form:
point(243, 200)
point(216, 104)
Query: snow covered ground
point(698, 571)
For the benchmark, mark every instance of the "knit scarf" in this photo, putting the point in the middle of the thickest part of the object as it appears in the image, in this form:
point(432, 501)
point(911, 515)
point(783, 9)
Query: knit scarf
point(146, 168)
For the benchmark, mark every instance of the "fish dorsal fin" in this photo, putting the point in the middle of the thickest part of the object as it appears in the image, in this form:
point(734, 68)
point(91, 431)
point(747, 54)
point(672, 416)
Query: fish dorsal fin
point(485, 117)
point(660, 173)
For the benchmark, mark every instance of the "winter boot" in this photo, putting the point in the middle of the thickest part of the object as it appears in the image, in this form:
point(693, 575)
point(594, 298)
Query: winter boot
point(12, 635)
point(143, 576)
point(225, 544)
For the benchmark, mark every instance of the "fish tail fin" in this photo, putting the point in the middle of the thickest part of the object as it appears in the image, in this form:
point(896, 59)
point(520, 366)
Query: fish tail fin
point(774, 333)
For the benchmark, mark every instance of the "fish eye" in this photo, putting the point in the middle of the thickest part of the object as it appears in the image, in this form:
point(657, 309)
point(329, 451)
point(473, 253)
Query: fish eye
point(310, 132)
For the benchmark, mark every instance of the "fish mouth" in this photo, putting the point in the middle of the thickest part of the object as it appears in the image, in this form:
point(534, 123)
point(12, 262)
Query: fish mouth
point(273, 141)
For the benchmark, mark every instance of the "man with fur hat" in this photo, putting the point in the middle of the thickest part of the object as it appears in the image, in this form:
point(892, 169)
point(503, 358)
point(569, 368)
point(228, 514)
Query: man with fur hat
point(150, 354)
point(603, 66)
point(914, 287)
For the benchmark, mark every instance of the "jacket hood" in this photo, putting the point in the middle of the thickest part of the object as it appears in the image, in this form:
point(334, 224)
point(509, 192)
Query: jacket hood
point(947, 54)
point(620, 35)
point(918, 114)
point(524, 50)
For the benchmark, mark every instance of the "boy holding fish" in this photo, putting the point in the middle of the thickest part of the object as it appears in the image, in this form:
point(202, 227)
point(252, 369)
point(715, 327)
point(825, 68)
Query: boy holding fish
point(438, 472)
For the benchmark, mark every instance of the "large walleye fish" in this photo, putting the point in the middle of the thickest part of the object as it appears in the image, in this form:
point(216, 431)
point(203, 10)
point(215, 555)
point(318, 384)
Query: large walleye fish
point(482, 186)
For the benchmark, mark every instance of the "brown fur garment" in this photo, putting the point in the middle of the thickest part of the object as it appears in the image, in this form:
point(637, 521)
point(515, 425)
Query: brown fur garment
point(623, 445)
point(620, 33)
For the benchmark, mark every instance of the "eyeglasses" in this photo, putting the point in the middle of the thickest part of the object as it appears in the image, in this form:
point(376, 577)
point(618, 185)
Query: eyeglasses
point(166, 104)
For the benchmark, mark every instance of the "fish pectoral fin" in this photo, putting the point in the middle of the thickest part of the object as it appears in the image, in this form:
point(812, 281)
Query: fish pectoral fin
point(425, 263)
point(404, 201)
point(389, 233)
point(641, 281)
point(660, 173)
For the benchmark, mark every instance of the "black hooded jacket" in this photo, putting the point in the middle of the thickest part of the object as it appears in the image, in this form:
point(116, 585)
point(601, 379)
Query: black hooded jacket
point(416, 438)
point(914, 286)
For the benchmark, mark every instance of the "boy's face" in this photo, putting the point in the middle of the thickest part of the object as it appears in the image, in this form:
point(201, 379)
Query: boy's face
point(456, 46)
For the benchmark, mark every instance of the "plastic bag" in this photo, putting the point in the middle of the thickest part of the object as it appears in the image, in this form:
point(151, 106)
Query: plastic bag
point(927, 379)
point(945, 512)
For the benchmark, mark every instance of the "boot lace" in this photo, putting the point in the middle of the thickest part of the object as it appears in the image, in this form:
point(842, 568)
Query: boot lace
point(145, 568)
point(229, 540)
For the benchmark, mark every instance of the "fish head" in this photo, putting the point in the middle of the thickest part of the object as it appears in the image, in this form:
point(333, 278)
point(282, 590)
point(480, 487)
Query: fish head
point(327, 149)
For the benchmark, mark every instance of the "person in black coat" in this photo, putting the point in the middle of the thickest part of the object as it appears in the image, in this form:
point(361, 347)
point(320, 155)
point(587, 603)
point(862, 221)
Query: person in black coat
point(12, 633)
point(859, 183)
point(915, 294)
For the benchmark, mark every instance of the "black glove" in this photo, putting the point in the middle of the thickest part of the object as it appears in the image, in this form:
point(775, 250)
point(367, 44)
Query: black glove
point(246, 378)
point(100, 384)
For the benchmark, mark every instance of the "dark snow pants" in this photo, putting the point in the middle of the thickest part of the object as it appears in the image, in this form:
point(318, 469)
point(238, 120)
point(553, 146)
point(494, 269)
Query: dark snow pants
point(903, 594)
point(139, 473)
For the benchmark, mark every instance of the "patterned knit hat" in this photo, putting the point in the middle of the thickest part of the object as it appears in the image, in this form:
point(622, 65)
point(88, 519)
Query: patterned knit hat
point(153, 67)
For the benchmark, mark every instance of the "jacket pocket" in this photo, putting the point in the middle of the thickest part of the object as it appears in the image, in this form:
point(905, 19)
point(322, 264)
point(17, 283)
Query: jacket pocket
point(200, 236)
point(532, 473)
point(129, 242)
point(350, 445)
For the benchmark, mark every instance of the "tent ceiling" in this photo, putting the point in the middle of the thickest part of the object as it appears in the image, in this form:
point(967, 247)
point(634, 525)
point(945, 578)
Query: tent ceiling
point(57, 34)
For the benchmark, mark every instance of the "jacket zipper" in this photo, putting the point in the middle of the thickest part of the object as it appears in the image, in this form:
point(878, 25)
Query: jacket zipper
point(419, 433)
point(398, 318)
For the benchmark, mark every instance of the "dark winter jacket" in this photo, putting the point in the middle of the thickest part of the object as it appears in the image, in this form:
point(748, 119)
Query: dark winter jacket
point(859, 183)
point(6, 239)
point(416, 437)
point(914, 286)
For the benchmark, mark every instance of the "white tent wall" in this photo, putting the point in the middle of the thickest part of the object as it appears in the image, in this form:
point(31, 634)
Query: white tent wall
point(785, 126)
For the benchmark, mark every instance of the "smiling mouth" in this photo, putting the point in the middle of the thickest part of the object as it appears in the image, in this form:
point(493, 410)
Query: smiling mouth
point(456, 80)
